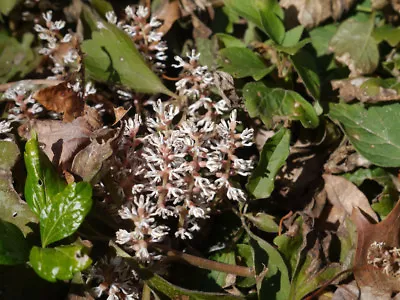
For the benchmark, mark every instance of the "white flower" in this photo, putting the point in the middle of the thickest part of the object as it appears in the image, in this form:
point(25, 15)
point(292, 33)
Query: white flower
point(247, 137)
point(111, 17)
point(142, 11)
point(154, 22)
point(183, 234)
point(123, 236)
point(5, 126)
point(48, 16)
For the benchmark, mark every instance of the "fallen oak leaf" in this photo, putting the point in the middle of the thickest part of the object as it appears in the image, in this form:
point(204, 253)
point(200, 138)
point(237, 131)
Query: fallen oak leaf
point(385, 233)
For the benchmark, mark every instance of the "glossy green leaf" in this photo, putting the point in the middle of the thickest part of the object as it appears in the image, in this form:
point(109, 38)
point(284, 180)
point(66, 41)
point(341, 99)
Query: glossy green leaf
point(16, 58)
point(272, 158)
point(14, 249)
point(266, 14)
point(242, 62)
point(263, 222)
point(111, 56)
point(272, 104)
point(12, 208)
point(354, 45)
point(42, 182)
point(272, 283)
point(373, 131)
point(65, 213)
point(59, 263)
point(222, 257)
point(320, 38)
point(305, 66)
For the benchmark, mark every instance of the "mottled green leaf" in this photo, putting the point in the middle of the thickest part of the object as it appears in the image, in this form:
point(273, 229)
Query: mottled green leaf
point(272, 104)
point(373, 131)
point(272, 158)
point(305, 65)
point(65, 213)
point(6, 6)
point(320, 38)
point(242, 62)
point(14, 249)
point(387, 33)
point(111, 56)
point(16, 58)
point(354, 45)
point(246, 253)
point(42, 182)
point(222, 257)
point(12, 208)
point(266, 14)
point(263, 221)
point(60, 262)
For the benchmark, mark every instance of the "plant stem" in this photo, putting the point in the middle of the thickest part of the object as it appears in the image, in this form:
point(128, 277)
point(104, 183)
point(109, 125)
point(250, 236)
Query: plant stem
point(207, 264)
point(146, 292)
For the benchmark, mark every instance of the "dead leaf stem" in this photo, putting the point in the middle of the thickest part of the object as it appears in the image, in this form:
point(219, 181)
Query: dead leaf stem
point(48, 82)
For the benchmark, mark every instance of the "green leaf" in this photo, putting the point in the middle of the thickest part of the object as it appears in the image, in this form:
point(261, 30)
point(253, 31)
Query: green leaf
point(111, 56)
point(263, 222)
point(16, 58)
point(271, 104)
point(6, 6)
point(242, 62)
point(293, 36)
point(272, 158)
point(222, 257)
point(274, 284)
point(12, 208)
point(209, 50)
point(14, 249)
point(101, 6)
point(246, 252)
point(65, 213)
point(60, 262)
point(387, 33)
point(305, 65)
point(373, 131)
point(320, 38)
point(266, 14)
point(354, 45)
point(230, 41)
point(42, 182)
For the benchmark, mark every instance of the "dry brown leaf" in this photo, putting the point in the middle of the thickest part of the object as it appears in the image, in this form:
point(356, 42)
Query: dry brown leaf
point(345, 196)
point(310, 13)
point(61, 99)
point(61, 141)
point(168, 12)
point(119, 113)
point(387, 232)
point(350, 89)
point(200, 30)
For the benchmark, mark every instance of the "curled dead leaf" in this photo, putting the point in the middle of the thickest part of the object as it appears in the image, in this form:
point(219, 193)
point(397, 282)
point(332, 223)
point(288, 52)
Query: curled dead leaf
point(168, 12)
point(61, 99)
point(365, 90)
point(345, 196)
point(310, 13)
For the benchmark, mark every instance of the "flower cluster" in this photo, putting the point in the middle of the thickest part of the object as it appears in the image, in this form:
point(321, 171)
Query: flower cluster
point(181, 166)
point(24, 105)
point(61, 49)
point(385, 258)
point(143, 33)
point(112, 277)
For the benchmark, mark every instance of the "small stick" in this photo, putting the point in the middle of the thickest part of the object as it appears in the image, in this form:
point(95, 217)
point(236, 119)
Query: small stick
point(288, 215)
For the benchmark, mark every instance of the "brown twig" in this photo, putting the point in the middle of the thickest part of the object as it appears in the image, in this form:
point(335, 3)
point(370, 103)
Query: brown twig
point(49, 82)
point(170, 78)
point(288, 215)
point(207, 264)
